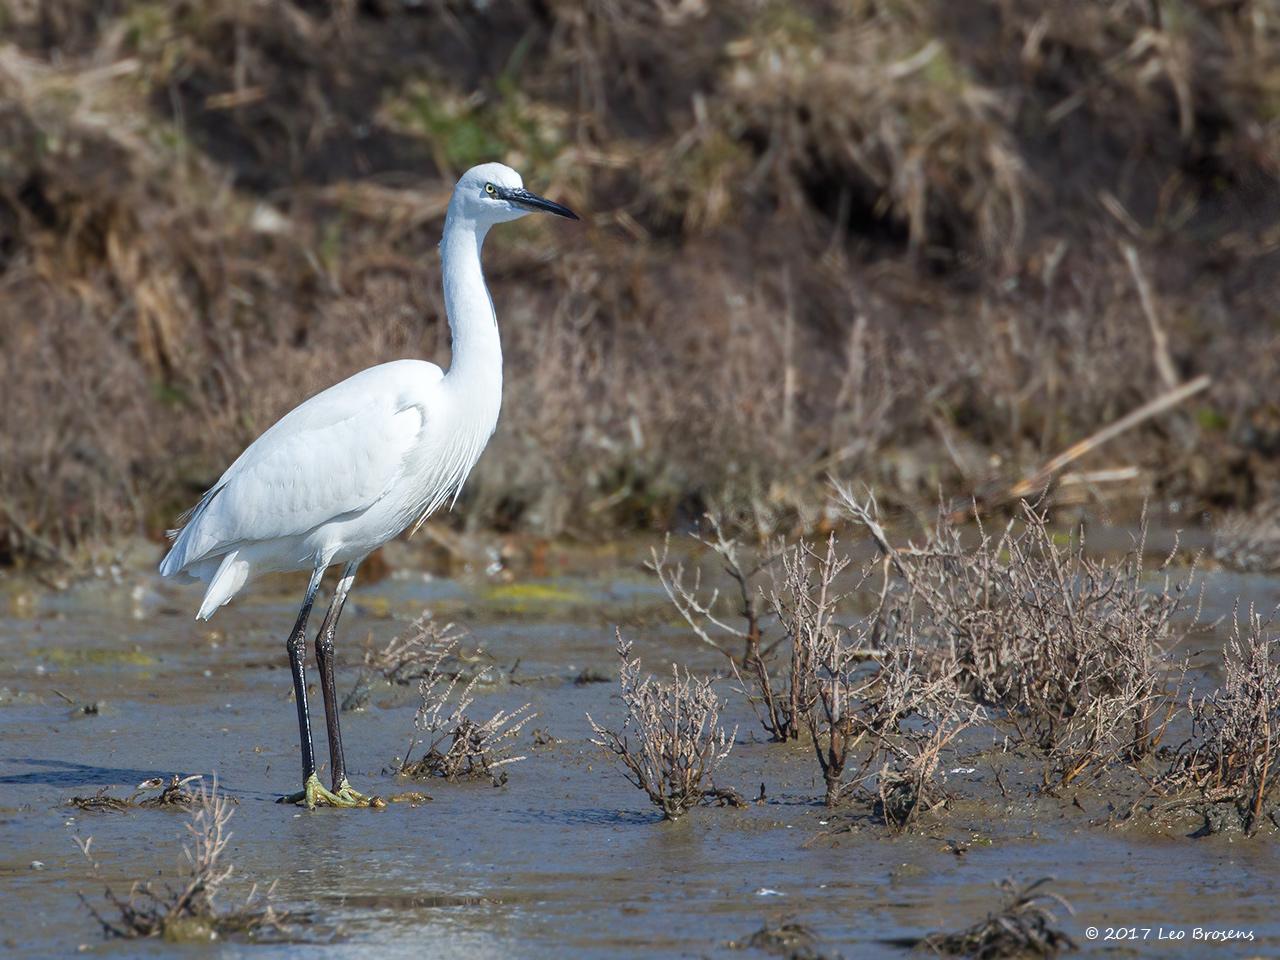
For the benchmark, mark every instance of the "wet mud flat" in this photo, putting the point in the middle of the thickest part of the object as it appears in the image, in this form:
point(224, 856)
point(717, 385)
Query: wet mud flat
point(110, 683)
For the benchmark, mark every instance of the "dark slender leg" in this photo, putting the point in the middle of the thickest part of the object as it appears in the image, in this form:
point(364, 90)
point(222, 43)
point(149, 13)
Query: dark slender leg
point(296, 645)
point(324, 660)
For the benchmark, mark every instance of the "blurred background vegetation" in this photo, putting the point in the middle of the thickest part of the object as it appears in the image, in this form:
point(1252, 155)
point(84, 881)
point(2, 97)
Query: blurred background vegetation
point(919, 244)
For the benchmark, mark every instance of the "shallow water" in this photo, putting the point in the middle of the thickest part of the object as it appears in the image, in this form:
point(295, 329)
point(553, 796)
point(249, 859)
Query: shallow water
point(566, 859)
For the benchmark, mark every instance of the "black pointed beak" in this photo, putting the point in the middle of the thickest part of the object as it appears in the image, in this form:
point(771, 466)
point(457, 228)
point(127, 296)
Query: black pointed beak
point(532, 201)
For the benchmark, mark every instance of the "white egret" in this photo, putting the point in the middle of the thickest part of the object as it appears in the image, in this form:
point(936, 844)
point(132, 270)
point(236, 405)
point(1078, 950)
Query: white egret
point(354, 466)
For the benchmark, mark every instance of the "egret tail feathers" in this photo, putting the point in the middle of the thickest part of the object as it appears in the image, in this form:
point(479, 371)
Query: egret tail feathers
point(232, 574)
point(182, 536)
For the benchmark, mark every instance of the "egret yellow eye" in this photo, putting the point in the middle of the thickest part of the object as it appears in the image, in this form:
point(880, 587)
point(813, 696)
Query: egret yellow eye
point(488, 188)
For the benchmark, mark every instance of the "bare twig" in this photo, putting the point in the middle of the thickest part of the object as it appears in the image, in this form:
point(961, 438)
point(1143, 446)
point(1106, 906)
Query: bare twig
point(1041, 477)
point(1159, 339)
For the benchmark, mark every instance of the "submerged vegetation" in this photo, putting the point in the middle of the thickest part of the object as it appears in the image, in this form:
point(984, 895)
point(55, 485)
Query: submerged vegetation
point(186, 911)
point(174, 794)
point(1026, 925)
point(886, 241)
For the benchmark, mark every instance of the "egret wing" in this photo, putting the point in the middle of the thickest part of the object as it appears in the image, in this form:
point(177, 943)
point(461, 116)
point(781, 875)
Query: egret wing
point(332, 457)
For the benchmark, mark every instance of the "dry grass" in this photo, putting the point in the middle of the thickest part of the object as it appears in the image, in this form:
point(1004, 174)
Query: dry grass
point(671, 741)
point(452, 744)
point(1233, 755)
point(187, 911)
point(928, 151)
point(861, 238)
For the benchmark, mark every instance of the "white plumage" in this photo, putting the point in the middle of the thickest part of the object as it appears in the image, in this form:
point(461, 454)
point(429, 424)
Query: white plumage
point(331, 481)
point(354, 466)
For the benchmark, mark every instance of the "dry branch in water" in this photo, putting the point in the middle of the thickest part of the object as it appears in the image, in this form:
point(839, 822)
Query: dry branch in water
point(410, 655)
point(173, 793)
point(1233, 755)
point(698, 611)
point(1026, 926)
point(187, 911)
point(827, 680)
point(823, 682)
point(456, 747)
point(671, 741)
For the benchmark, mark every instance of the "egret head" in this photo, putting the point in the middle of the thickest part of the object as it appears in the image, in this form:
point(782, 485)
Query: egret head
point(494, 193)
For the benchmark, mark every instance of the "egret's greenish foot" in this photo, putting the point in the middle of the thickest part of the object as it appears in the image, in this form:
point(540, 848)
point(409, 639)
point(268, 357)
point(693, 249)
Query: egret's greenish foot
point(315, 794)
point(356, 798)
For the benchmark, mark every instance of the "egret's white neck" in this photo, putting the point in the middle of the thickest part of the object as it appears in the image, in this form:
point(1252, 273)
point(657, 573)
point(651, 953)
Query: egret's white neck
point(476, 368)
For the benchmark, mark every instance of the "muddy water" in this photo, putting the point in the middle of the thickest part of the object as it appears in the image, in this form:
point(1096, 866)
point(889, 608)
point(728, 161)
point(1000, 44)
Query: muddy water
point(566, 859)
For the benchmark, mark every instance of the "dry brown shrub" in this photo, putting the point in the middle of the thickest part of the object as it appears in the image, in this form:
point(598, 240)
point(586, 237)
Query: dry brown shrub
point(809, 665)
point(453, 745)
point(868, 701)
point(843, 689)
point(909, 720)
point(415, 653)
point(823, 676)
point(426, 646)
point(1249, 540)
point(1071, 649)
point(779, 704)
point(1233, 754)
point(671, 741)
